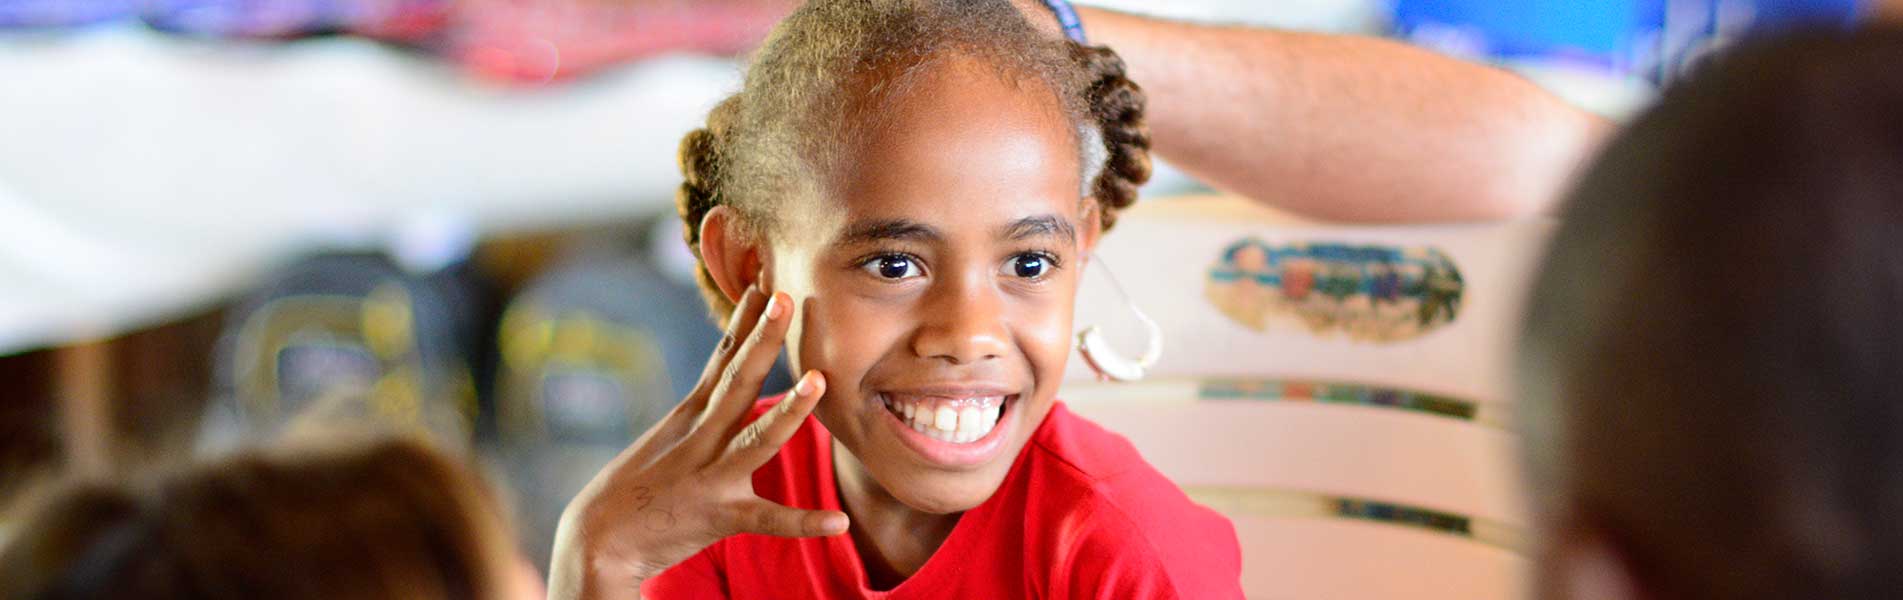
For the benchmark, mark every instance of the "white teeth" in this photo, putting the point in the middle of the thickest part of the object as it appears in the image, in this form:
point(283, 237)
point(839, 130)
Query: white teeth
point(952, 420)
point(967, 422)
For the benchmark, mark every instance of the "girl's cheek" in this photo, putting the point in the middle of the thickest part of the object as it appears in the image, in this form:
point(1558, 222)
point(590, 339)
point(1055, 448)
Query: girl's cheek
point(839, 333)
point(1043, 331)
point(857, 333)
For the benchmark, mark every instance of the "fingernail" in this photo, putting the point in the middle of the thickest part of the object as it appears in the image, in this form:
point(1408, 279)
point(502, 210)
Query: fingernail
point(805, 387)
point(775, 308)
point(833, 523)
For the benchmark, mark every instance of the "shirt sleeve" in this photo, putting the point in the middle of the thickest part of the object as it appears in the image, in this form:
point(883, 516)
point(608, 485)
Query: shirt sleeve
point(696, 578)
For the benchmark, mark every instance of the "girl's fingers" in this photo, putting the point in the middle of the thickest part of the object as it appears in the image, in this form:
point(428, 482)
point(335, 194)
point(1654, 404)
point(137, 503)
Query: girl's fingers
point(746, 316)
point(665, 434)
point(760, 440)
point(768, 518)
point(740, 381)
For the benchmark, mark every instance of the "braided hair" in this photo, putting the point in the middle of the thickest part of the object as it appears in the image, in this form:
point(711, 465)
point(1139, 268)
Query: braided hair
point(700, 192)
point(775, 138)
point(1116, 105)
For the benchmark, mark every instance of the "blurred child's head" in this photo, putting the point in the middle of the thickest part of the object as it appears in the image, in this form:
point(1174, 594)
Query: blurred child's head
point(927, 178)
point(1713, 359)
point(380, 519)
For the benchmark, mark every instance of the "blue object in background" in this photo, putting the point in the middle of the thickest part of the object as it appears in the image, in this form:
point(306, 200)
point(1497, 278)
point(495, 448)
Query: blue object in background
point(1593, 30)
point(251, 18)
point(1686, 31)
point(1655, 39)
point(47, 14)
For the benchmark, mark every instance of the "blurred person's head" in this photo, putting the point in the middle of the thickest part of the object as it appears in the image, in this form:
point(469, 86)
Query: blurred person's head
point(371, 518)
point(1713, 359)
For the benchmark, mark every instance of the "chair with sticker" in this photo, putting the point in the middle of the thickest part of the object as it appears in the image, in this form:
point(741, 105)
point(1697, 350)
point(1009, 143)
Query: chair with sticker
point(1337, 392)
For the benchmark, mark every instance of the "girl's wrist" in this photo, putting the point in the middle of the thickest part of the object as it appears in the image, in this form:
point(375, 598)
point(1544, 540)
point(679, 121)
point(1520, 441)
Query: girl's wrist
point(614, 576)
point(584, 567)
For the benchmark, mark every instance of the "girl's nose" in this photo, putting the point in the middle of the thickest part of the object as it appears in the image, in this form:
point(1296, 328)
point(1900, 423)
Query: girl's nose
point(965, 325)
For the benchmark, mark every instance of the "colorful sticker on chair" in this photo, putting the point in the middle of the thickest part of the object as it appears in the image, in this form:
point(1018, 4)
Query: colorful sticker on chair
point(1370, 293)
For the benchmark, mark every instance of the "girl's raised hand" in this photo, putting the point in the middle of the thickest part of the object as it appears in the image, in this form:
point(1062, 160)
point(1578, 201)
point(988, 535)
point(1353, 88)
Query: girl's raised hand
point(688, 481)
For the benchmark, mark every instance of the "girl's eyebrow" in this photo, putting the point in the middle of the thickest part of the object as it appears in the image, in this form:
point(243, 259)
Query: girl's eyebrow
point(1040, 226)
point(901, 229)
point(888, 229)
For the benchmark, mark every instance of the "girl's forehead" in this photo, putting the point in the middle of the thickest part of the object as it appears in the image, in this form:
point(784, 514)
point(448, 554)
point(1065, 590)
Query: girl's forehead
point(962, 144)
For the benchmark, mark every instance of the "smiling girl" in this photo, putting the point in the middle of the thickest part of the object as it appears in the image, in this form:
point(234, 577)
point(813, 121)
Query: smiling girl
point(903, 196)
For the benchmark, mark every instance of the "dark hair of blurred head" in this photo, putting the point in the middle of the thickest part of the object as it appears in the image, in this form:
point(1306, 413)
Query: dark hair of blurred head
point(1713, 358)
point(363, 518)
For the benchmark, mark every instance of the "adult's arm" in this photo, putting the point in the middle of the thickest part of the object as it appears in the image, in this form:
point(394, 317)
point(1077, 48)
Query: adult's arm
point(1348, 127)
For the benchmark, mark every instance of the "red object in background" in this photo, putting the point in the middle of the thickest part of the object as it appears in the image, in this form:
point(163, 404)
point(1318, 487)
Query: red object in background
point(1080, 515)
point(519, 41)
point(1298, 390)
point(405, 21)
point(535, 42)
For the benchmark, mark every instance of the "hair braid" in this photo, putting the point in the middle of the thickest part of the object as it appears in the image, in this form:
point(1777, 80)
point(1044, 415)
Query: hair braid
point(1117, 104)
point(701, 166)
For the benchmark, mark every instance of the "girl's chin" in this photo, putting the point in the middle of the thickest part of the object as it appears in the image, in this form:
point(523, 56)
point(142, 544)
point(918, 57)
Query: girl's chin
point(930, 489)
point(939, 497)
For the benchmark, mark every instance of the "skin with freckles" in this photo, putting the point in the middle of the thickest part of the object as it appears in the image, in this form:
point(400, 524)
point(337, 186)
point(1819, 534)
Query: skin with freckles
point(946, 259)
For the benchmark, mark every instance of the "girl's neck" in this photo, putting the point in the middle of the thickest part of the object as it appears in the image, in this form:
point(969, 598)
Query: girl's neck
point(894, 540)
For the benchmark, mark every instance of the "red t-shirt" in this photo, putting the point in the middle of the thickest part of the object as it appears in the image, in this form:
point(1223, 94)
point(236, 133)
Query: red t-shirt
point(1080, 515)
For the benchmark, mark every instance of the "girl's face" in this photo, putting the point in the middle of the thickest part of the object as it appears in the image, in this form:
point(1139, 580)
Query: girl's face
point(936, 287)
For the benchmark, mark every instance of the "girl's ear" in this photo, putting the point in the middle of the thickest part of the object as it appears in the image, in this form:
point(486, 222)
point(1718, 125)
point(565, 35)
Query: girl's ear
point(733, 258)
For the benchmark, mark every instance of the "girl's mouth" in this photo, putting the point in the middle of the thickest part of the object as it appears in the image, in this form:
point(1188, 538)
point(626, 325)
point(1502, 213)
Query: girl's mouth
point(954, 420)
point(952, 431)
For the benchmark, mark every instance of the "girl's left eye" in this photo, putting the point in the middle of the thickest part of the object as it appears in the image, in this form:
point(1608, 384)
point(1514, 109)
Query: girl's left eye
point(892, 266)
point(1030, 265)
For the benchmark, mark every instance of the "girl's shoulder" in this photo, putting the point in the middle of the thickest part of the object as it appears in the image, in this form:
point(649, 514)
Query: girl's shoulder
point(1089, 454)
point(1105, 512)
point(1097, 473)
point(1079, 460)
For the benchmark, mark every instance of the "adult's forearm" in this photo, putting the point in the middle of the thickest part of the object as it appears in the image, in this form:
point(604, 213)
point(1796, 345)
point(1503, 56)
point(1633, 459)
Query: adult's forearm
point(1348, 127)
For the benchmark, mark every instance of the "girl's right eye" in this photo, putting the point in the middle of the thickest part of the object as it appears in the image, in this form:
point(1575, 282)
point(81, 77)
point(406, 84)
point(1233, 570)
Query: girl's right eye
point(894, 267)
